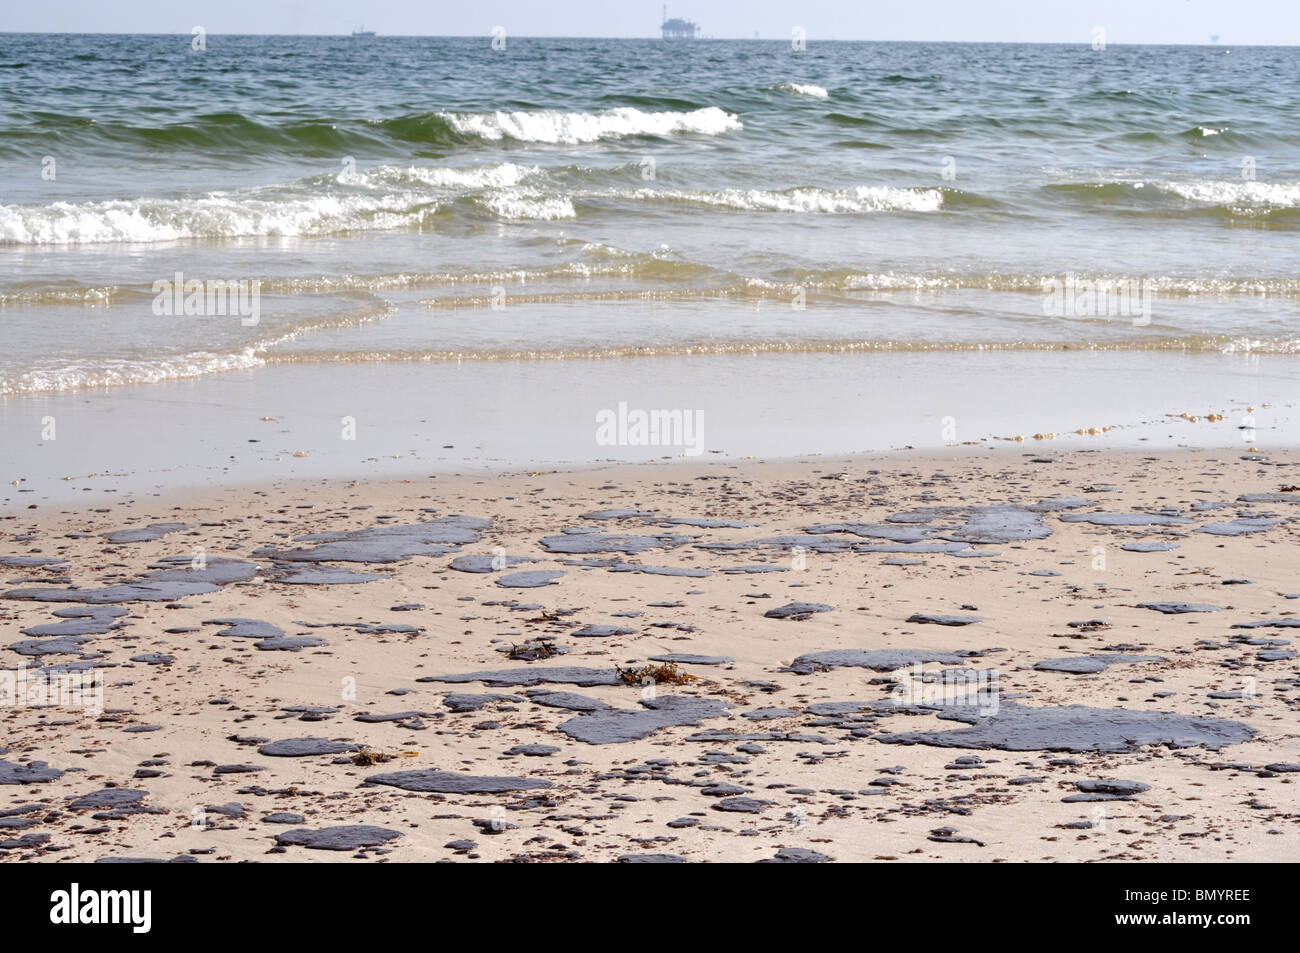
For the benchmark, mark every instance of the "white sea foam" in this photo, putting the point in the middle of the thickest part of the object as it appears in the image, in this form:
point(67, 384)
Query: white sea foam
point(551, 126)
point(1240, 193)
point(65, 374)
point(119, 372)
point(517, 204)
point(390, 198)
point(864, 198)
point(805, 89)
point(495, 176)
point(218, 214)
point(381, 198)
point(1245, 345)
point(1163, 285)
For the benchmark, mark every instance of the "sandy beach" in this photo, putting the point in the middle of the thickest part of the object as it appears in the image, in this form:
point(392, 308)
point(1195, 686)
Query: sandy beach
point(995, 655)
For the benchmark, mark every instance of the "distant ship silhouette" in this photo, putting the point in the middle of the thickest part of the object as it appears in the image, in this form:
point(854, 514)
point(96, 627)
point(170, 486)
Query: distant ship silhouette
point(677, 28)
point(362, 31)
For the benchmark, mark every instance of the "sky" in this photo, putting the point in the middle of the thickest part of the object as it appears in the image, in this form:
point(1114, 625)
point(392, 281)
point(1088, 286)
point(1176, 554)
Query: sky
point(1239, 22)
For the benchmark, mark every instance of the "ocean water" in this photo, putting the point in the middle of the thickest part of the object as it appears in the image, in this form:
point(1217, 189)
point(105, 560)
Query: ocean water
point(366, 258)
point(424, 200)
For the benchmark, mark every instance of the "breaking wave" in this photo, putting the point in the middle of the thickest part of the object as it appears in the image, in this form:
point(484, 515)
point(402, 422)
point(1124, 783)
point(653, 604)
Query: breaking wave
point(553, 127)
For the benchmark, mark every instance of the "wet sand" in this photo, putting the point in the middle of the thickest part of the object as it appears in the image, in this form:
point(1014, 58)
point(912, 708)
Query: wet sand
point(384, 421)
point(1124, 619)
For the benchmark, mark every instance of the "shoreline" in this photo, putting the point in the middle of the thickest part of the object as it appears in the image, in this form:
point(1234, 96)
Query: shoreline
point(591, 475)
point(398, 421)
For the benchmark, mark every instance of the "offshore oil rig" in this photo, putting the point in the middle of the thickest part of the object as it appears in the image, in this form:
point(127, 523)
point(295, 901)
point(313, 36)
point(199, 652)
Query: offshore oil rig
point(677, 28)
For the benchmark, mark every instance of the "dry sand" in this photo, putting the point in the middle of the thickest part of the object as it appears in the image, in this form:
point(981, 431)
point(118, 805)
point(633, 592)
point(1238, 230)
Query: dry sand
point(826, 783)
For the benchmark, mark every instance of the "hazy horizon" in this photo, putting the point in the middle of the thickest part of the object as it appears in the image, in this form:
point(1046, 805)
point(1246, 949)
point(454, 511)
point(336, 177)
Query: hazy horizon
point(1158, 22)
point(592, 36)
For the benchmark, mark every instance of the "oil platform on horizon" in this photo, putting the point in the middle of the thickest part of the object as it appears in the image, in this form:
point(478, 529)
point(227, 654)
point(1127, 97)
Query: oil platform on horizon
point(677, 28)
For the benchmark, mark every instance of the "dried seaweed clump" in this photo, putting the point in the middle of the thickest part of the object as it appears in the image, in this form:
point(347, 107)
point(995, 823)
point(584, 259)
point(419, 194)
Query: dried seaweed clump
point(368, 756)
point(666, 673)
point(532, 650)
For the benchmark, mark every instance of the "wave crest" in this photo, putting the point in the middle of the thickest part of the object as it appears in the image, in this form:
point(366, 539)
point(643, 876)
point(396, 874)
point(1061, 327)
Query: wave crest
point(805, 89)
point(555, 128)
point(863, 198)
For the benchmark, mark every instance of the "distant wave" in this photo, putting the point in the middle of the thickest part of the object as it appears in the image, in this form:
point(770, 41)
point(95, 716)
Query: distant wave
point(213, 133)
point(805, 89)
point(233, 133)
point(550, 126)
point(1215, 192)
